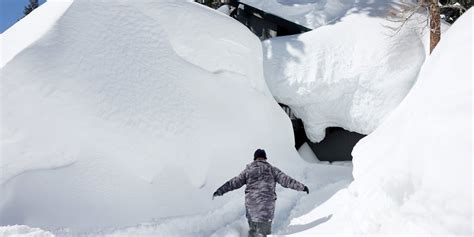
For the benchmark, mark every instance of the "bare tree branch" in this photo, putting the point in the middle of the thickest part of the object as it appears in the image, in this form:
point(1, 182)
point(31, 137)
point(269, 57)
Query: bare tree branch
point(404, 15)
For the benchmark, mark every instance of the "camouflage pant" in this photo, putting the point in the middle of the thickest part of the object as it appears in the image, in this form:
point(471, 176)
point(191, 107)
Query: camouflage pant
point(260, 229)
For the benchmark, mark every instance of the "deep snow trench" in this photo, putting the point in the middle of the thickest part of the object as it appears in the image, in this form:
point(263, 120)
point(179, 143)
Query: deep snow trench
point(228, 219)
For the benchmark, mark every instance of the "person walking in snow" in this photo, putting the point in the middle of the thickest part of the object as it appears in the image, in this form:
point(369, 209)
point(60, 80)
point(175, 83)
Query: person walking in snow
point(260, 178)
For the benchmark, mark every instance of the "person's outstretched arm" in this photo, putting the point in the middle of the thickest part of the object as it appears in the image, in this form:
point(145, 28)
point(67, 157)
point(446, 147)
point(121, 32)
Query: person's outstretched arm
point(235, 183)
point(288, 182)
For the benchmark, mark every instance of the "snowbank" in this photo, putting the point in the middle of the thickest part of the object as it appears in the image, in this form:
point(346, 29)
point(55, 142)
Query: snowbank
point(121, 110)
point(413, 174)
point(349, 74)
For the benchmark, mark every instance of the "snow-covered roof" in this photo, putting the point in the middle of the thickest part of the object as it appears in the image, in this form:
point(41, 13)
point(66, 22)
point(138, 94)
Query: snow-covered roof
point(316, 13)
point(309, 13)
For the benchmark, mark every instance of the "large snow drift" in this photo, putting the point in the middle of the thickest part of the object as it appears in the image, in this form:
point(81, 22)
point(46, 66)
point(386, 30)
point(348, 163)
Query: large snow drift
point(124, 108)
point(413, 174)
point(348, 74)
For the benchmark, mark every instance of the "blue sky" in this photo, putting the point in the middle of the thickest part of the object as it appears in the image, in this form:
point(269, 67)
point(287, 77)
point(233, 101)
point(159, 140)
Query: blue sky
point(11, 11)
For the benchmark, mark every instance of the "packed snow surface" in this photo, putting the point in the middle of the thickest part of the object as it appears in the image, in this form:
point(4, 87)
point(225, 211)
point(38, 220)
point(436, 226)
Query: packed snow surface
point(413, 174)
point(349, 74)
point(122, 109)
point(229, 218)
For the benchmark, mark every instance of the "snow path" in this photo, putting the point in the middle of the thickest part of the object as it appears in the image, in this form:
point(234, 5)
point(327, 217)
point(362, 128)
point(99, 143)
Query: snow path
point(229, 220)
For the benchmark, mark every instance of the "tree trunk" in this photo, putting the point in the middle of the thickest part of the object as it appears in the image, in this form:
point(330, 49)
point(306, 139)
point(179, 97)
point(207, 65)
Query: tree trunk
point(435, 24)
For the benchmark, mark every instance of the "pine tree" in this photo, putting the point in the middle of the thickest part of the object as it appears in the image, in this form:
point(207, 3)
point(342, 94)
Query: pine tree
point(30, 7)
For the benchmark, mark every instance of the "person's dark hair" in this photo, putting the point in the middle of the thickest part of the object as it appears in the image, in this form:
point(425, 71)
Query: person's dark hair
point(259, 153)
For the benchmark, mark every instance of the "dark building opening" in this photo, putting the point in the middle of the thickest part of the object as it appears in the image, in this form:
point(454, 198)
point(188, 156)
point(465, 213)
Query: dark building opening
point(264, 25)
point(337, 145)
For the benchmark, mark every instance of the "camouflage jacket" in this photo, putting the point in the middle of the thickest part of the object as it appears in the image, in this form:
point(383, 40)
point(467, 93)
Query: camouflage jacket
point(260, 178)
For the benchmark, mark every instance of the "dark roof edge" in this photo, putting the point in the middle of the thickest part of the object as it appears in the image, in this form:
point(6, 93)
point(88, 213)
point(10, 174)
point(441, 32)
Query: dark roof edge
point(270, 16)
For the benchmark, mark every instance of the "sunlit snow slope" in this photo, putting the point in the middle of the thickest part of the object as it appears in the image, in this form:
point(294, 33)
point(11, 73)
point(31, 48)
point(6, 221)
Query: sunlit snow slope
point(122, 109)
point(350, 73)
point(413, 174)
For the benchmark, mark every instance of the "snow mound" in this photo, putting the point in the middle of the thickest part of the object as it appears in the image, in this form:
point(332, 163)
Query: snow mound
point(413, 174)
point(350, 74)
point(121, 110)
point(234, 51)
